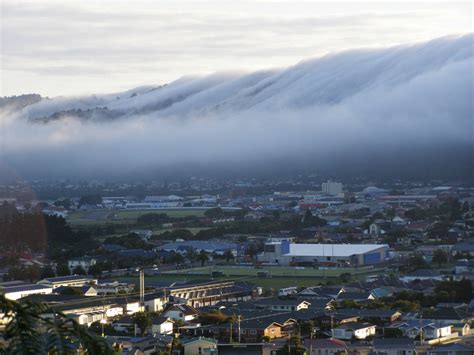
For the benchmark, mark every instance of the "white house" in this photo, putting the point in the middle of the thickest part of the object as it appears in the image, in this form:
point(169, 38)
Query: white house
point(85, 262)
point(422, 274)
point(431, 330)
point(181, 312)
point(200, 346)
point(356, 330)
point(162, 325)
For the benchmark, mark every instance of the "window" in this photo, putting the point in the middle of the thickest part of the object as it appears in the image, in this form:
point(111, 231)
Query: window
point(244, 331)
point(253, 331)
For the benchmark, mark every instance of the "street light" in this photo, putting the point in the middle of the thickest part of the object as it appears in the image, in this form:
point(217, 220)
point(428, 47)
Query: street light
point(102, 323)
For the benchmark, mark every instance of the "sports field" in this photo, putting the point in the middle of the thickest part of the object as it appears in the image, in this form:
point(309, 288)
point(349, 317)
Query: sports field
point(172, 212)
point(98, 217)
point(278, 277)
point(275, 271)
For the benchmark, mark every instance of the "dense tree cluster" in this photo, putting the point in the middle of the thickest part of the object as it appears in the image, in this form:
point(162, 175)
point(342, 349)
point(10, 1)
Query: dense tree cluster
point(36, 232)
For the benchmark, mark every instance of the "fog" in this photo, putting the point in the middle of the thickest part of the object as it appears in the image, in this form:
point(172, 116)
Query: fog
point(404, 107)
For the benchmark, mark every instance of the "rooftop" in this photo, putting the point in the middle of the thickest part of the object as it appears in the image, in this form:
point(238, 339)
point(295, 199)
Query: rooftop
point(337, 250)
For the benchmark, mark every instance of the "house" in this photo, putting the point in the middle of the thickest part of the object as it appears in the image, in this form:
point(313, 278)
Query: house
point(328, 320)
point(145, 345)
point(394, 346)
point(355, 296)
point(322, 291)
point(161, 325)
point(422, 274)
point(247, 349)
point(200, 346)
point(376, 316)
point(324, 346)
point(182, 312)
point(19, 291)
point(450, 315)
point(251, 330)
point(72, 280)
point(156, 301)
point(353, 330)
point(287, 304)
point(452, 349)
point(144, 234)
point(463, 248)
point(84, 262)
point(86, 290)
point(431, 330)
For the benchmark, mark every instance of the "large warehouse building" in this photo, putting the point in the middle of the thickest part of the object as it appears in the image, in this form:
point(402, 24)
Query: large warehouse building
point(286, 253)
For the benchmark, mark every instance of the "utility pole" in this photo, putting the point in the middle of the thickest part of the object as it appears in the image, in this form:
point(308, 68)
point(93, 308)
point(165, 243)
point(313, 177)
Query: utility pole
point(142, 290)
point(421, 328)
point(332, 324)
point(238, 323)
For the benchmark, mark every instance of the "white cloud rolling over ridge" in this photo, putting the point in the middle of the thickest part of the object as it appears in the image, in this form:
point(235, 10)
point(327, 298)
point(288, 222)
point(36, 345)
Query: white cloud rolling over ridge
point(350, 106)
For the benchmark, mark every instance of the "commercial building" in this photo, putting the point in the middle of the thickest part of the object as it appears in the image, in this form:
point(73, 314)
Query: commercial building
point(331, 188)
point(286, 253)
point(19, 291)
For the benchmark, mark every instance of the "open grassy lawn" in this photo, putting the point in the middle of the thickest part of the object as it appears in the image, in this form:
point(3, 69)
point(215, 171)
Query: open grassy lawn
point(170, 212)
point(102, 217)
point(267, 283)
point(193, 230)
point(276, 271)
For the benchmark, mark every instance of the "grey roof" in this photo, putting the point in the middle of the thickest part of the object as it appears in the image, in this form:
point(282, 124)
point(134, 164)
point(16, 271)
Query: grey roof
point(272, 301)
point(452, 347)
point(373, 313)
point(424, 273)
point(354, 326)
point(20, 288)
point(354, 296)
point(67, 278)
point(394, 343)
point(199, 245)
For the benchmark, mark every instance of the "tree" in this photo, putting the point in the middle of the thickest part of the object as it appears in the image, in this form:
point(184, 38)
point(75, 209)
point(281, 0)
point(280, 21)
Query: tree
point(203, 257)
point(417, 261)
point(35, 328)
point(47, 272)
point(63, 270)
point(440, 257)
point(215, 213)
point(95, 270)
point(176, 258)
point(251, 250)
point(78, 270)
point(90, 200)
point(228, 255)
point(73, 291)
point(142, 321)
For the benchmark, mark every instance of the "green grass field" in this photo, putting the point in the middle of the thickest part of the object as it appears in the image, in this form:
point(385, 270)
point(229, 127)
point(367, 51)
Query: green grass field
point(102, 217)
point(277, 271)
point(134, 214)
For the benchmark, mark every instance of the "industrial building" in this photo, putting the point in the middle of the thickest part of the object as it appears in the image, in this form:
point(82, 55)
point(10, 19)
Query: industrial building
point(287, 253)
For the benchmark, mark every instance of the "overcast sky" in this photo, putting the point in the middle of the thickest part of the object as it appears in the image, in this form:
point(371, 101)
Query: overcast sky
point(82, 47)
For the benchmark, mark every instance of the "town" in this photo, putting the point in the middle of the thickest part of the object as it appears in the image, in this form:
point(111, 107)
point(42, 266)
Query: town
point(302, 265)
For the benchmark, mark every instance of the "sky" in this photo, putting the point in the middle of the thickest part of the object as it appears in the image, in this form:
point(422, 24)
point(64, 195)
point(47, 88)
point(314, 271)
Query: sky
point(82, 47)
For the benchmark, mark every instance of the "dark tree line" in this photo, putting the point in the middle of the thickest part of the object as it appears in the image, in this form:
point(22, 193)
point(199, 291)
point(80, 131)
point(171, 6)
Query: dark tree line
point(36, 232)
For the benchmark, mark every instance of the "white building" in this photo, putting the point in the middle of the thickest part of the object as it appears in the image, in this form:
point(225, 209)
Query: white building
point(286, 253)
point(20, 291)
point(84, 262)
point(356, 330)
point(332, 188)
point(72, 280)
